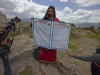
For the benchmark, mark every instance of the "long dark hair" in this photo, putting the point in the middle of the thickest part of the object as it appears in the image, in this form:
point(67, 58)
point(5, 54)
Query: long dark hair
point(46, 15)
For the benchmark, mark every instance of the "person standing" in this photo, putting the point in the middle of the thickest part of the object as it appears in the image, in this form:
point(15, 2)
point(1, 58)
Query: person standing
point(5, 56)
point(94, 59)
point(47, 55)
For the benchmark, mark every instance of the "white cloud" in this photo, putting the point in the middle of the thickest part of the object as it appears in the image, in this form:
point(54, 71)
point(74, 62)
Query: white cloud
point(27, 9)
point(8, 5)
point(23, 7)
point(67, 10)
point(95, 15)
point(74, 17)
point(86, 16)
point(63, 0)
point(87, 2)
point(81, 12)
point(81, 16)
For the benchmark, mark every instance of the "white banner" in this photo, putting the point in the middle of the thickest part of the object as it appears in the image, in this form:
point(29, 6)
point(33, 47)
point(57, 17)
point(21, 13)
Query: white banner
point(50, 34)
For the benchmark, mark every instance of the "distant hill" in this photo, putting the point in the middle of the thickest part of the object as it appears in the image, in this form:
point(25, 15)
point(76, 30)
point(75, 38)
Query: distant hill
point(87, 24)
point(25, 19)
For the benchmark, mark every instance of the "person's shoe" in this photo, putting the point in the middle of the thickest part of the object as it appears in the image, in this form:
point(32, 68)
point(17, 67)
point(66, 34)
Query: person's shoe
point(53, 65)
point(46, 64)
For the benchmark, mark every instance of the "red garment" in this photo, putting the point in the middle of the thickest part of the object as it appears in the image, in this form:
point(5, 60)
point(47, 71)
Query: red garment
point(56, 19)
point(48, 55)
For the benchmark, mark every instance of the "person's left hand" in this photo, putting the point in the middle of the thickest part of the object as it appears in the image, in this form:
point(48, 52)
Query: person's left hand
point(6, 41)
point(2, 29)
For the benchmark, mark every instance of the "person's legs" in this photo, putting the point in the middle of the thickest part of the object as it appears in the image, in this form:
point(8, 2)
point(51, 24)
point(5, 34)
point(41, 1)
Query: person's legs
point(98, 72)
point(94, 68)
point(6, 64)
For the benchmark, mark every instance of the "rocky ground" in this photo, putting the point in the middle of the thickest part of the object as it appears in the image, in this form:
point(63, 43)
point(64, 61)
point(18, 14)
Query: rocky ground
point(22, 59)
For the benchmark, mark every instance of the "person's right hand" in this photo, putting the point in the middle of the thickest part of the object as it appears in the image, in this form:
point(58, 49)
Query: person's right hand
point(69, 54)
point(2, 29)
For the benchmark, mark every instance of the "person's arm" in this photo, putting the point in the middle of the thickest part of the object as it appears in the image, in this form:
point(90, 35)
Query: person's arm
point(93, 58)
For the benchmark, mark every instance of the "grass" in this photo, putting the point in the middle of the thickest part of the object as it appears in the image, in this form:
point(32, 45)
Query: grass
point(61, 54)
point(72, 37)
point(15, 34)
point(58, 64)
point(98, 37)
point(79, 52)
point(30, 35)
point(72, 47)
point(93, 35)
point(27, 71)
point(75, 63)
point(98, 45)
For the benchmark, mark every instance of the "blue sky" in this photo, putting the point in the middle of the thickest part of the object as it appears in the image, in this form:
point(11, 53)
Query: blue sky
point(71, 11)
point(60, 5)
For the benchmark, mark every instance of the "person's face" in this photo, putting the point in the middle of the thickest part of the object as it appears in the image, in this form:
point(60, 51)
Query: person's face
point(50, 12)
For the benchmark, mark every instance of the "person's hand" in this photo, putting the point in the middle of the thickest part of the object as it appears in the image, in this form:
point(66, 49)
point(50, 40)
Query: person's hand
point(6, 41)
point(2, 29)
point(69, 54)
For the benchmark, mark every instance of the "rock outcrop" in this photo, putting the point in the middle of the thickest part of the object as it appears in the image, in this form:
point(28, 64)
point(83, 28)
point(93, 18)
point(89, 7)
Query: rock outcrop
point(21, 55)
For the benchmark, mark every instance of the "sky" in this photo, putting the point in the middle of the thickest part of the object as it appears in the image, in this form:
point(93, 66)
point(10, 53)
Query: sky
point(70, 11)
